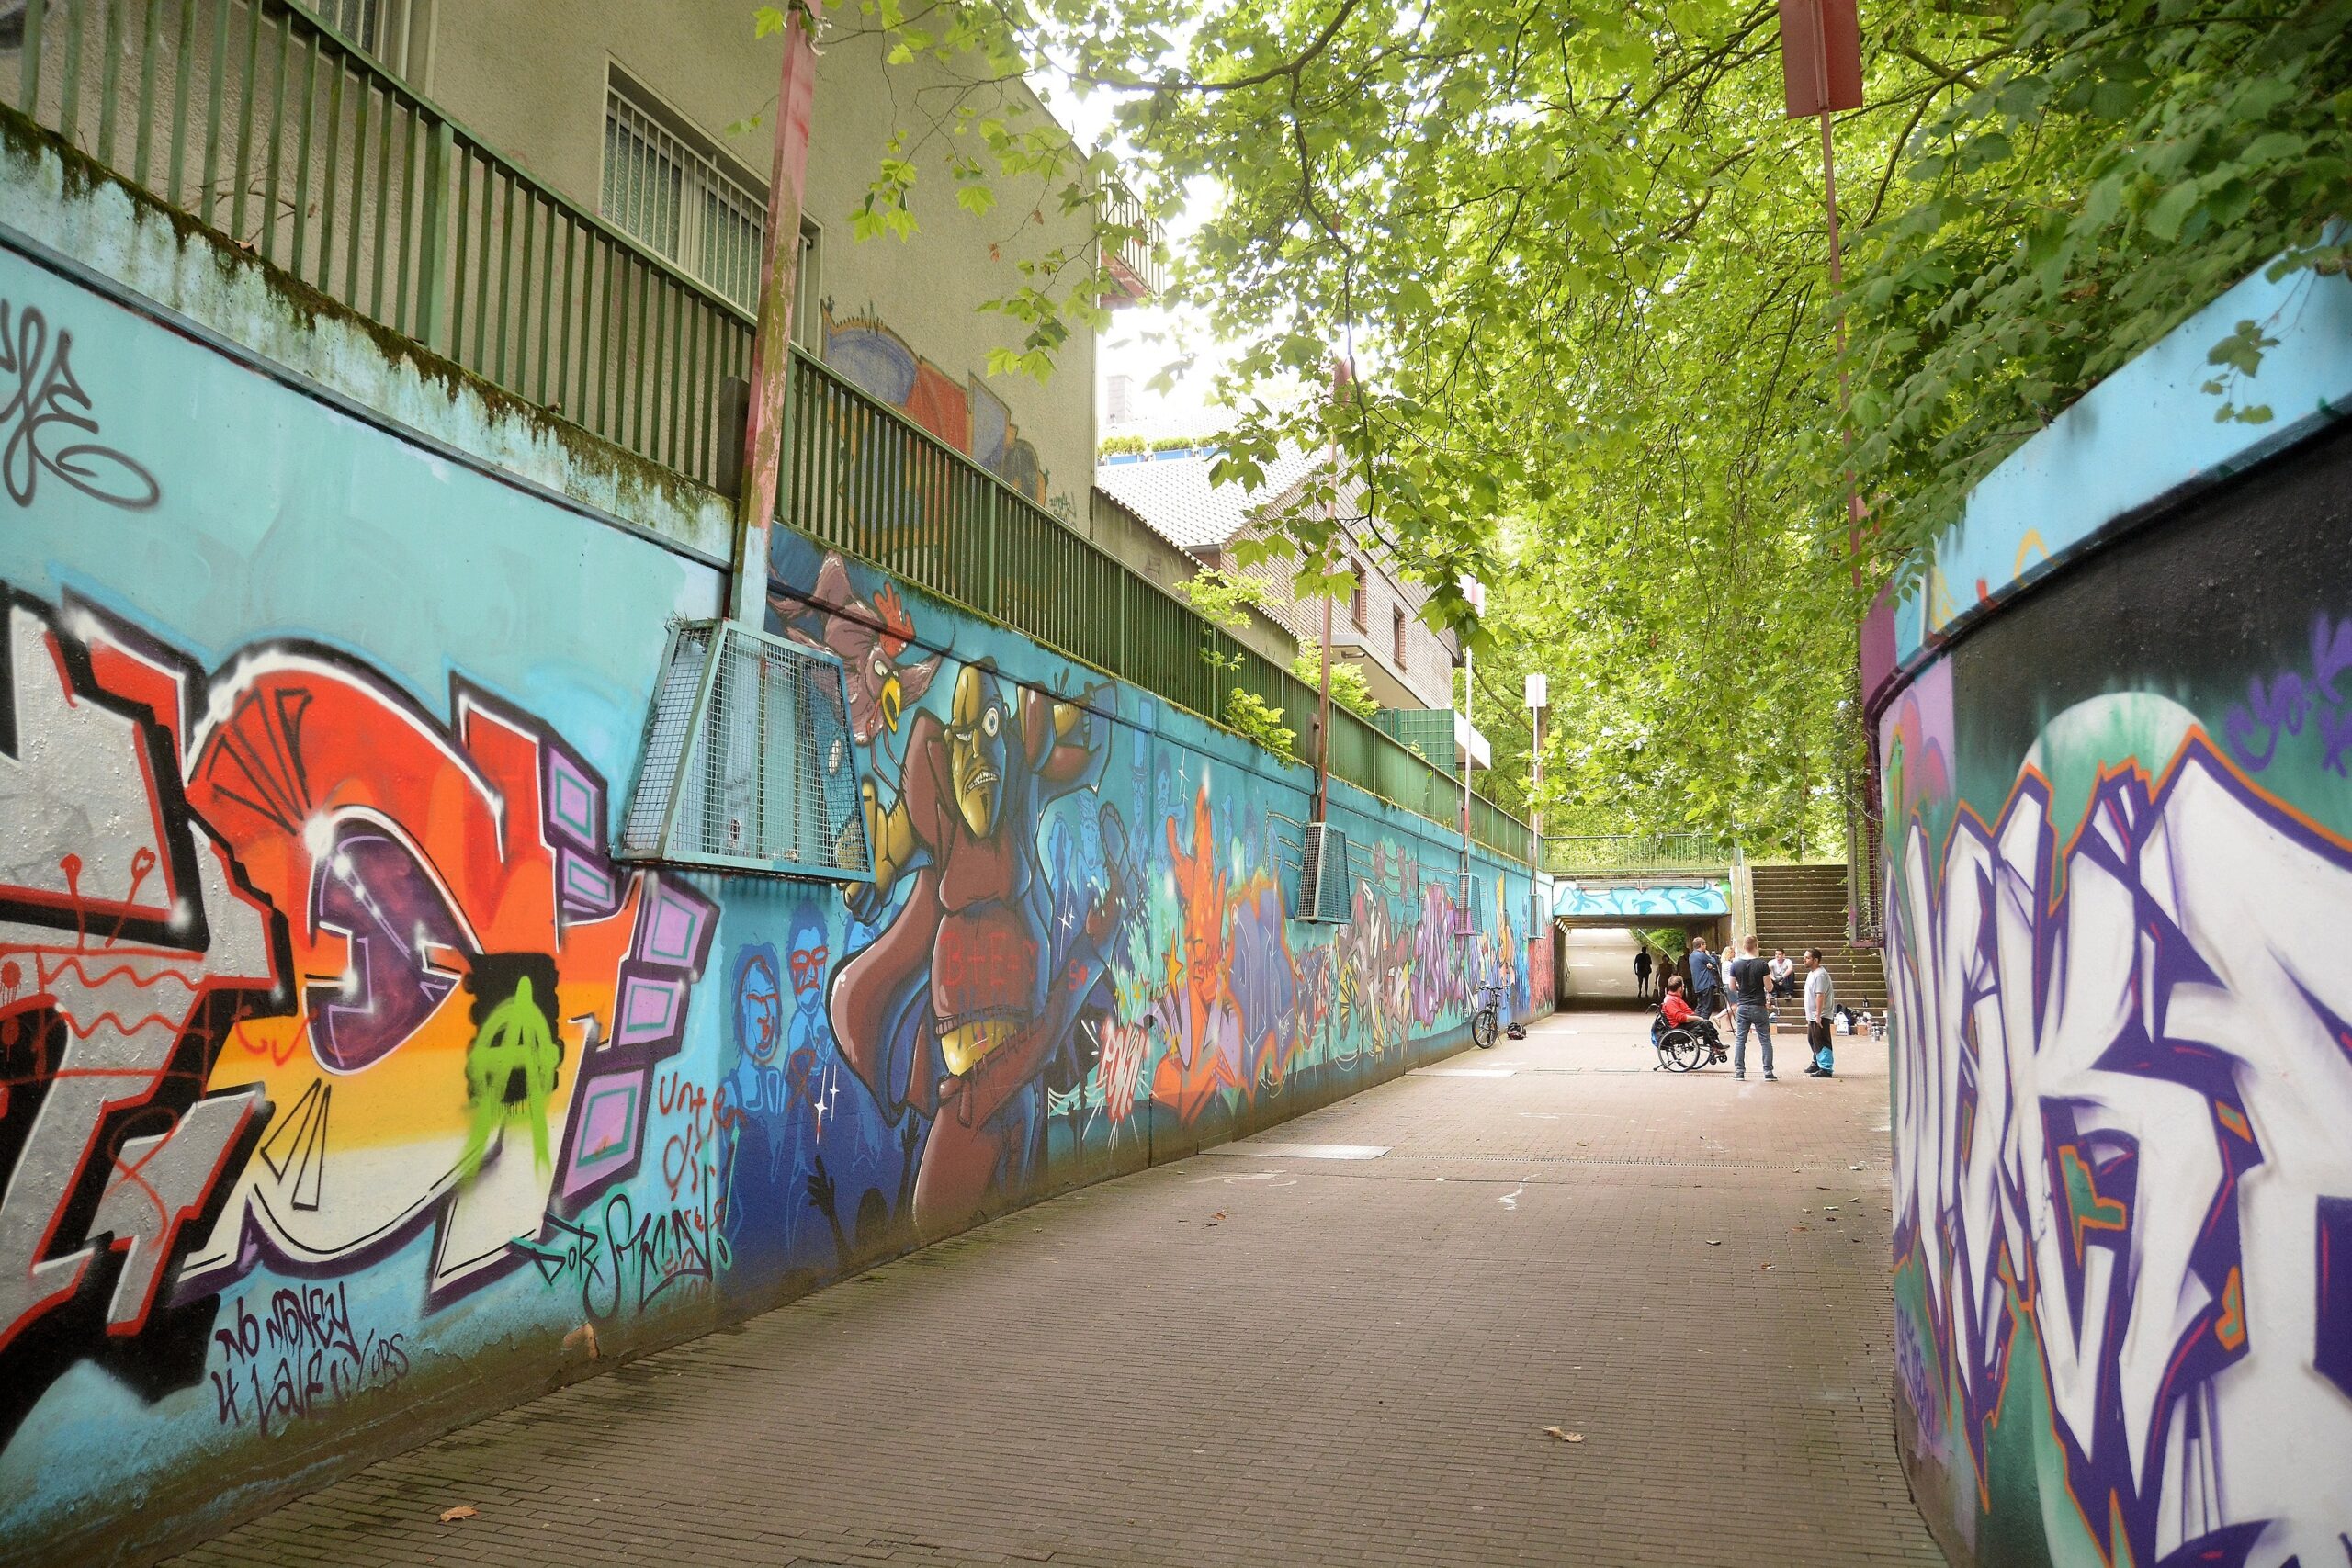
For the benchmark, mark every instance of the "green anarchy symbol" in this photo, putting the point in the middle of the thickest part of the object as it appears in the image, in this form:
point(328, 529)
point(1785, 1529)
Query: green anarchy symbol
point(510, 1076)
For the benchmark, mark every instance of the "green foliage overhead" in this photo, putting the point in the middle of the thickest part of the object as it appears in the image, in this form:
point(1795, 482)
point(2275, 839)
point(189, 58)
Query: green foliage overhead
point(1578, 254)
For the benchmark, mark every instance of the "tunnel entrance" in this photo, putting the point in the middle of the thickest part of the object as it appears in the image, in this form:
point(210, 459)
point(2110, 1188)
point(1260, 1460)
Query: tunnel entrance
point(1593, 956)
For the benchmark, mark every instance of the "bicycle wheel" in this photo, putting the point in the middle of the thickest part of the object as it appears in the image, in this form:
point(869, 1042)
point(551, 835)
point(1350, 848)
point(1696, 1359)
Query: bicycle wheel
point(1482, 1028)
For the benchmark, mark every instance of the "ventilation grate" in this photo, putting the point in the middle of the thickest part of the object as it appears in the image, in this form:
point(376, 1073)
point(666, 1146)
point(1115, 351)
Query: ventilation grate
point(1323, 875)
point(748, 761)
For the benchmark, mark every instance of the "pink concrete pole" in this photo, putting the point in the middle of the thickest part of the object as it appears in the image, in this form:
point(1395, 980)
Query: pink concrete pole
point(772, 344)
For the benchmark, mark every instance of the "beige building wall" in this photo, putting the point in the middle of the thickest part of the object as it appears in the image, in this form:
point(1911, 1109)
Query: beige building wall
point(1422, 678)
point(531, 79)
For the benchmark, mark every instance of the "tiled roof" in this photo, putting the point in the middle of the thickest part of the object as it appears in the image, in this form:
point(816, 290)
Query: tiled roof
point(1175, 497)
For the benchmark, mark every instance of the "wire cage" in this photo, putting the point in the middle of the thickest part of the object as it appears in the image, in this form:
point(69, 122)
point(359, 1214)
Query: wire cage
point(1323, 875)
point(748, 763)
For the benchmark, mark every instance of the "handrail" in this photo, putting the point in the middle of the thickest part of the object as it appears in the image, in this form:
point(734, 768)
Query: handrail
point(1637, 854)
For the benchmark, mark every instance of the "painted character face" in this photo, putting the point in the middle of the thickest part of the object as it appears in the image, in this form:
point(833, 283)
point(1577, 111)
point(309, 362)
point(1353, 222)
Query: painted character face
point(757, 1018)
point(977, 749)
point(808, 959)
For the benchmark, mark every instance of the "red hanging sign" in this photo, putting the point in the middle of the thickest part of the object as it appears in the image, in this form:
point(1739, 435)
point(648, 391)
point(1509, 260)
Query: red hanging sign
point(1821, 56)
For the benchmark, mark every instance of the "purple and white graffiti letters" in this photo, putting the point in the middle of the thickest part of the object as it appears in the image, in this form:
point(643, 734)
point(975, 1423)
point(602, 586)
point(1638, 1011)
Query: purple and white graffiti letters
point(2125, 1094)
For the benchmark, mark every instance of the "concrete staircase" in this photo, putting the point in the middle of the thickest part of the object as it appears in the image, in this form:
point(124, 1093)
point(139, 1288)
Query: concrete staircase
point(1798, 907)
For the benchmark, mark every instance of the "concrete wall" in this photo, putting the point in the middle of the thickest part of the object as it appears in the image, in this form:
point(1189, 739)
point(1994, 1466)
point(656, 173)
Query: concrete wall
point(353, 1089)
point(902, 316)
point(2119, 830)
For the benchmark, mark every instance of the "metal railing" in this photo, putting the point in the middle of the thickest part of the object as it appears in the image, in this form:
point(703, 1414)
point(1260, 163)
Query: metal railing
point(1135, 253)
point(269, 127)
point(861, 477)
point(1637, 854)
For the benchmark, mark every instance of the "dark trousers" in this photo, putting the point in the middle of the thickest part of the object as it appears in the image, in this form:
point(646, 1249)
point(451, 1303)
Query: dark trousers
point(1817, 1033)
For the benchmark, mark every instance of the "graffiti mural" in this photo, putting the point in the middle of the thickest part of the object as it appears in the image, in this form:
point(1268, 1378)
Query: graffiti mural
point(965, 414)
point(358, 976)
point(348, 1082)
point(2123, 1056)
point(2123, 1102)
point(132, 949)
point(1606, 901)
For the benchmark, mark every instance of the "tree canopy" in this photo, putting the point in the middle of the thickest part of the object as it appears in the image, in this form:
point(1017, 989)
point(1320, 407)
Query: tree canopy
point(1579, 257)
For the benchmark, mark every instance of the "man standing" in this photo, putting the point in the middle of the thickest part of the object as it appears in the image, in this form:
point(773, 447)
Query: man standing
point(1820, 1004)
point(1641, 973)
point(1749, 976)
point(1706, 980)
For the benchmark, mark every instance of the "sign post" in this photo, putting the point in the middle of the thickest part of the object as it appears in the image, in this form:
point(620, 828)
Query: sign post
point(1821, 72)
point(772, 339)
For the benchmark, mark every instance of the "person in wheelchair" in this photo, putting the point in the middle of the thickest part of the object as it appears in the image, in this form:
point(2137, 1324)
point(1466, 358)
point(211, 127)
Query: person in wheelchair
point(1675, 1013)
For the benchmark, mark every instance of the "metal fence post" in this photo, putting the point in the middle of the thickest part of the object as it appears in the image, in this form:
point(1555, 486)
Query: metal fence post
point(434, 251)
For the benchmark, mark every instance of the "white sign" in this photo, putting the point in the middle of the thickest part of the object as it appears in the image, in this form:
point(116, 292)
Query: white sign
point(1539, 691)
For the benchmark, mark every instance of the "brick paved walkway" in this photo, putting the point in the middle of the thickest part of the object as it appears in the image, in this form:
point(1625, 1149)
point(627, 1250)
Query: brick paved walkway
point(1266, 1359)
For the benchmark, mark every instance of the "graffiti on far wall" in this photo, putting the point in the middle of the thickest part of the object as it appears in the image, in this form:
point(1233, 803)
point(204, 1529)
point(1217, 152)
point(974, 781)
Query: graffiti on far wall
point(965, 414)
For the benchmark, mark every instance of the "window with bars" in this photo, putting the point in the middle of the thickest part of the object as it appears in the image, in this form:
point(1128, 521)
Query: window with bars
point(675, 198)
point(1398, 643)
point(1360, 597)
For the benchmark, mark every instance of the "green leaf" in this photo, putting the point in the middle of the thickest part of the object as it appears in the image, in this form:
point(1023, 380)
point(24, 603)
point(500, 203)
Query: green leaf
point(2164, 219)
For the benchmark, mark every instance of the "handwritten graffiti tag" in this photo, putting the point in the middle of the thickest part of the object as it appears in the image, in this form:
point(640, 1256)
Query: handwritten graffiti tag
point(38, 373)
point(2293, 699)
point(299, 1357)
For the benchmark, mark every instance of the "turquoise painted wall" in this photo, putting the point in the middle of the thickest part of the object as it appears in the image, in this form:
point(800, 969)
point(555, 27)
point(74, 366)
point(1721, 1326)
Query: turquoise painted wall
point(353, 1089)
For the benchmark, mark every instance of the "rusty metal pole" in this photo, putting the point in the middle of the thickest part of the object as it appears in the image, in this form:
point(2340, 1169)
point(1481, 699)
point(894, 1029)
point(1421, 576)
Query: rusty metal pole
point(1323, 701)
point(1838, 284)
point(772, 342)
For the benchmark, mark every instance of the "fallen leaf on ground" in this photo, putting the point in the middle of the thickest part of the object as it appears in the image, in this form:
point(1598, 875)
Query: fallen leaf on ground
point(451, 1516)
point(1767, 1266)
point(1714, 1243)
point(583, 1335)
point(1563, 1437)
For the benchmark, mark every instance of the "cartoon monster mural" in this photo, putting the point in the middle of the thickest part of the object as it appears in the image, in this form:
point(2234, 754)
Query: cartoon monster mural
point(971, 990)
point(870, 638)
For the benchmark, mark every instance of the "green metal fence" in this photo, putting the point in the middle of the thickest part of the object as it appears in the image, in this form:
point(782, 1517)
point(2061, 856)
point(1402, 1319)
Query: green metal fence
point(863, 479)
point(265, 124)
point(1637, 853)
point(289, 138)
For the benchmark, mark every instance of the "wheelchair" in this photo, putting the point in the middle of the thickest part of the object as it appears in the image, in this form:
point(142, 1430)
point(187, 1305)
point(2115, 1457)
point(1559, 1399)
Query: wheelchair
point(1686, 1047)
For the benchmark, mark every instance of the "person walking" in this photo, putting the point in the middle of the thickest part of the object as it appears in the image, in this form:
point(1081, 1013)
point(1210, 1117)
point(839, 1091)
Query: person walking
point(1750, 976)
point(1820, 1005)
point(1706, 980)
point(1641, 973)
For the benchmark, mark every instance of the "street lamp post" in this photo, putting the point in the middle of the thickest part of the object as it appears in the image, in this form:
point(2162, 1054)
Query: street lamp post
point(1539, 694)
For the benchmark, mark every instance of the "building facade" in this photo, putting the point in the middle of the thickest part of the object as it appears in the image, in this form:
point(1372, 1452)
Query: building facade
point(1377, 627)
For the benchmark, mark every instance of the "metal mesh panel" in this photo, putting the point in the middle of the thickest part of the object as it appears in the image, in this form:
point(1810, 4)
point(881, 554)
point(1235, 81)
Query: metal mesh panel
point(748, 764)
point(1323, 874)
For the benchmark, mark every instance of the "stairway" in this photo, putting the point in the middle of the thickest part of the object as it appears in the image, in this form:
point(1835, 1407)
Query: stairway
point(1798, 907)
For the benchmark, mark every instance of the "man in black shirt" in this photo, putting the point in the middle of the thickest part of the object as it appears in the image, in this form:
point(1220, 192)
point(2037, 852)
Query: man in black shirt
point(1750, 976)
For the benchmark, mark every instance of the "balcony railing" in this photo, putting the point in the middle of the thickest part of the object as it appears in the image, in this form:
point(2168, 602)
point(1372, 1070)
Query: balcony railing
point(1637, 854)
point(1133, 254)
point(274, 130)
